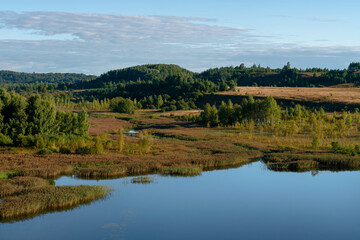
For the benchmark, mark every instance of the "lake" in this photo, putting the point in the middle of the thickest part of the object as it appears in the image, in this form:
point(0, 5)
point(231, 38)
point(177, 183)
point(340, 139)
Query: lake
point(249, 202)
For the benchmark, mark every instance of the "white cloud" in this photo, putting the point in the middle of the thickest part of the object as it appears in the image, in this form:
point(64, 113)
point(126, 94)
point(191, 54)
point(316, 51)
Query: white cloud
point(110, 28)
point(96, 43)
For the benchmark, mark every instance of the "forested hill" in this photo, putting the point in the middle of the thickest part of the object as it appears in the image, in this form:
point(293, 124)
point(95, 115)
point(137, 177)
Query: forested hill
point(163, 75)
point(146, 80)
point(10, 77)
point(155, 73)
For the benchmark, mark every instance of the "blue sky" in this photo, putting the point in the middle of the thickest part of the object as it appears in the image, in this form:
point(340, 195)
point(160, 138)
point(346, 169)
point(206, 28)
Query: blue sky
point(96, 36)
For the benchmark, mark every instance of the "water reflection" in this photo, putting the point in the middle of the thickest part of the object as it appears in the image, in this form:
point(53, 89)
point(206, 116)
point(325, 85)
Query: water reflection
point(250, 202)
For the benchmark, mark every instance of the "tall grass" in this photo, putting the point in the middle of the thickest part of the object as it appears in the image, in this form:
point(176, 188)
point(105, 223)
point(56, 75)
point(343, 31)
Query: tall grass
point(301, 162)
point(48, 198)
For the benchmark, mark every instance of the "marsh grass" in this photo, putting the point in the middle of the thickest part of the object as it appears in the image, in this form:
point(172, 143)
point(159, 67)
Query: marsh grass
point(299, 162)
point(102, 171)
point(48, 198)
point(18, 185)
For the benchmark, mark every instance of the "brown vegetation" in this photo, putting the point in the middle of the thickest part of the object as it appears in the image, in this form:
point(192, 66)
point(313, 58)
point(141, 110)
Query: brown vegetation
point(328, 94)
point(35, 200)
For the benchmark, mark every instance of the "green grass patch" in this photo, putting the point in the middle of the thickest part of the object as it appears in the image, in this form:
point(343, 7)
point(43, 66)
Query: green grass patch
point(10, 174)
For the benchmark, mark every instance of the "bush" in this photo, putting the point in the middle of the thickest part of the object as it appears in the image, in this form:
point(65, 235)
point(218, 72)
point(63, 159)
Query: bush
point(337, 148)
point(45, 151)
point(122, 105)
point(27, 141)
point(5, 140)
point(85, 150)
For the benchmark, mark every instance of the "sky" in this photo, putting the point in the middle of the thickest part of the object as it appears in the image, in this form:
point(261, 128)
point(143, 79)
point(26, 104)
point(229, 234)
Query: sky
point(94, 37)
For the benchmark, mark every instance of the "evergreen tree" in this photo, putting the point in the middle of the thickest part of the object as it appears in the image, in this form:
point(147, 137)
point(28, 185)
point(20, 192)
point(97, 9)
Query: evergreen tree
point(41, 116)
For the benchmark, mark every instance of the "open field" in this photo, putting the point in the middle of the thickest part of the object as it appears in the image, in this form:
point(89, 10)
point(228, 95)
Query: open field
point(337, 95)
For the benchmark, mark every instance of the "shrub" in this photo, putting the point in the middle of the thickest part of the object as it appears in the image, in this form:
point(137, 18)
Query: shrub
point(316, 142)
point(39, 141)
point(27, 141)
point(335, 147)
point(5, 140)
point(45, 151)
point(122, 105)
point(98, 147)
point(85, 150)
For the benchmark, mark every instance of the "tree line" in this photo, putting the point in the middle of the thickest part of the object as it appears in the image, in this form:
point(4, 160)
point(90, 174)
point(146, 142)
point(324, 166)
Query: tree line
point(170, 87)
point(266, 113)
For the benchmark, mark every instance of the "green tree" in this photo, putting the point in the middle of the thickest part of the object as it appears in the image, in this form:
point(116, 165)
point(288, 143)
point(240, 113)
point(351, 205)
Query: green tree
point(223, 114)
point(205, 116)
point(159, 102)
point(98, 145)
point(146, 142)
point(348, 121)
point(41, 115)
point(14, 114)
point(122, 105)
point(82, 125)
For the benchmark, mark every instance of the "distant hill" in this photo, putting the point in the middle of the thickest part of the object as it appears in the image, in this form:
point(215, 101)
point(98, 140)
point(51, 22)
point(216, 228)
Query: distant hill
point(147, 80)
point(10, 77)
point(157, 73)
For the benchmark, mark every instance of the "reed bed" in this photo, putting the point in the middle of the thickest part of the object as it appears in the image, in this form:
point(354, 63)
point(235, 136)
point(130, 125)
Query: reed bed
point(18, 185)
point(297, 162)
point(48, 198)
point(103, 172)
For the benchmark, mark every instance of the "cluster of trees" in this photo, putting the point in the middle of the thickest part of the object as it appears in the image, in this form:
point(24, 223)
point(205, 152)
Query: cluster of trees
point(259, 111)
point(284, 122)
point(285, 77)
point(23, 118)
point(354, 66)
point(67, 101)
point(165, 103)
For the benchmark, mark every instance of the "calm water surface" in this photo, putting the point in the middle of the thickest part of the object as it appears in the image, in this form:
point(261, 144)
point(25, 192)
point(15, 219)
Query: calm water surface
point(249, 202)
